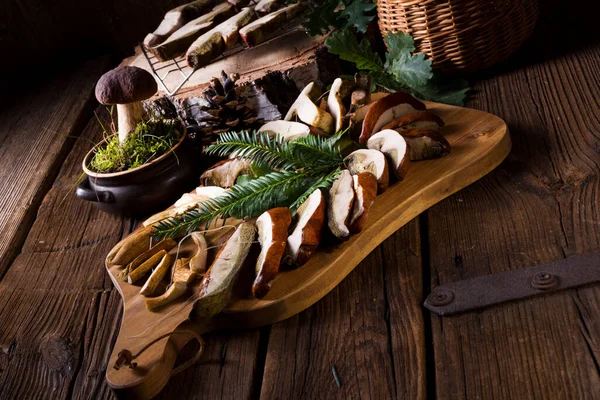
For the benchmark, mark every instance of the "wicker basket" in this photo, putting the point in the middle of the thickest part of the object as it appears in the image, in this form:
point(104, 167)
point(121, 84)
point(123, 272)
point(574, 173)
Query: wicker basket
point(461, 35)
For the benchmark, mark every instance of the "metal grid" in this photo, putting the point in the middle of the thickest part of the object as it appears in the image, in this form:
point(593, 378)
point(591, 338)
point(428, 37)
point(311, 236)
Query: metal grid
point(162, 69)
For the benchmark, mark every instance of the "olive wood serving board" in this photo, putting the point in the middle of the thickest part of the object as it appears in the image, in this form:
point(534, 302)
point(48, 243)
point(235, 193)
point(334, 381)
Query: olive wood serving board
point(479, 141)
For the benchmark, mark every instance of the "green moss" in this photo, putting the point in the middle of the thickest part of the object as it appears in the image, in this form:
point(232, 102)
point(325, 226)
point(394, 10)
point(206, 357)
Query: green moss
point(150, 140)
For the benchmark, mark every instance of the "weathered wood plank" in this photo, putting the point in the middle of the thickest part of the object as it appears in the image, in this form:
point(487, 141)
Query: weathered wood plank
point(359, 330)
point(542, 204)
point(34, 140)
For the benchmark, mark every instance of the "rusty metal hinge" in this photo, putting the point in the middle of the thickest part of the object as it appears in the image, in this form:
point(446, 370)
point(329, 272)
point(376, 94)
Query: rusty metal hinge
point(473, 294)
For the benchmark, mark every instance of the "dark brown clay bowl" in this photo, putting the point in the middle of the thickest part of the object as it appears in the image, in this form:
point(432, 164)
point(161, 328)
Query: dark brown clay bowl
point(147, 189)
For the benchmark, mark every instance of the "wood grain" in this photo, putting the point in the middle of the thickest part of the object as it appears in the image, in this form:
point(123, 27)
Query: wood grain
point(541, 205)
point(34, 140)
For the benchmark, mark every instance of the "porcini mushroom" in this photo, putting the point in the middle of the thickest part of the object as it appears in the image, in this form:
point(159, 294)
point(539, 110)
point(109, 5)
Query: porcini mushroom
point(339, 205)
point(335, 105)
point(157, 275)
point(368, 160)
point(198, 261)
point(272, 228)
point(425, 144)
point(225, 172)
point(365, 191)
point(307, 233)
point(126, 87)
point(288, 130)
point(418, 120)
point(258, 31)
point(388, 109)
point(393, 145)
point(307, 111)
point(217, 285)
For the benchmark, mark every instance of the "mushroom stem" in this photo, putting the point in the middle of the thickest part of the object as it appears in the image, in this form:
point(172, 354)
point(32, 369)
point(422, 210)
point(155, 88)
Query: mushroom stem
point(128, 117)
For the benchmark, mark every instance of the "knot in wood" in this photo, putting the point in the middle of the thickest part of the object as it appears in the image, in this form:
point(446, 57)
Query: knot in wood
point(58, 354)
point(544, 281)
point(441, 297)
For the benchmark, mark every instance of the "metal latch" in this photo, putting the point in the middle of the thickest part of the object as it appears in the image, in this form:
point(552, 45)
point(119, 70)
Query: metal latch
point(485, 291)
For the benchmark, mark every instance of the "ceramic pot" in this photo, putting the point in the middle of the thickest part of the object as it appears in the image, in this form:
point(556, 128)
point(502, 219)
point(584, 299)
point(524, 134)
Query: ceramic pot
point(146, 189)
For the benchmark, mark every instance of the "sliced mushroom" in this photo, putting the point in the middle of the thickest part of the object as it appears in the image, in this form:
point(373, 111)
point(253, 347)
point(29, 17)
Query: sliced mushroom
point(175, 291)
point(198, 261)
point(217, 285)
point(225, 172)
point(288, 130)
point(418, 120)
point(335, 105)
point(365, 191)
point(182, 272)
point(273, 228)
point(175, 19)
point(424, 144)
point(131, 247)
point(126, 87)
point(307, 233)
point(339, 205)
point(358, 112)
point(307, 111)
point(177, 43)
point(157, 275)
point(264, 7)
point(165, 245)
point(258, 31)
point(386, 110)
point(139, 272)
point(224, 36)
point(368, 160)
point(393, 145)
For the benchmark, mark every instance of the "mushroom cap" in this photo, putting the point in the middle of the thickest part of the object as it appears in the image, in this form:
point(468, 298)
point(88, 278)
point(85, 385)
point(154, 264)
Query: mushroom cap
point(124, 85)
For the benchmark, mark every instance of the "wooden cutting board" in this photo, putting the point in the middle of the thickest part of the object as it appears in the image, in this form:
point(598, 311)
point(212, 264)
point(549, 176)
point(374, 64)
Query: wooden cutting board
point(479, 141)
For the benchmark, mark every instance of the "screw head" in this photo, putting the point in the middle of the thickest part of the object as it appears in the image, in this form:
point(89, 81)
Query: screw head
point(544, 281)
point(440, 297)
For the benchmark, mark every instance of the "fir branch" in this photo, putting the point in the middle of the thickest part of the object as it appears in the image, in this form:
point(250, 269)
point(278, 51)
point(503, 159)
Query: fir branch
point(276, 189)
point(323, 182)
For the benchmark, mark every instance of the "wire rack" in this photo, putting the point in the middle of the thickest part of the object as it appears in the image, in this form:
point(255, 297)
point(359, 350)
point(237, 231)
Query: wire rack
point(162, 69)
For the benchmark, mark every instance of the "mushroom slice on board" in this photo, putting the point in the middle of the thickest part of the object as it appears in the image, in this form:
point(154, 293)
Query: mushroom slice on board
point(425, 144)
point(217, 285)
point(369, 160)
point(273, 228)
point(365, 191)
point(418, 120)
point(175, 19)
point(335, 105)
point(225, 172)
point(339, 205)
point(175, 291)
point(126, 87)
point(393, 145)
point(288, 130)
point(156, 276)
point(198, 261)
point(387, 109)
point(359, 111)
point(308, 230)
point(308, 112)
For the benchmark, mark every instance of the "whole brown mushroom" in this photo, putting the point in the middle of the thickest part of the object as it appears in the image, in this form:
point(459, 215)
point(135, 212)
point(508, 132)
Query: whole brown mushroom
point(126, 87)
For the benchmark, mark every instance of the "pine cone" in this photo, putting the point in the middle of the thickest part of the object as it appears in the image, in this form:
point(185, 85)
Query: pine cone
point(226, 110)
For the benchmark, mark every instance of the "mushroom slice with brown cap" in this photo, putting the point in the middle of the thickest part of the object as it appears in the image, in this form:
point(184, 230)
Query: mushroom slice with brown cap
point(339, 205)
point(335, 105)
point(307, 111)
point(272, 228)
point(308, 230)
point(386, 110)
point(225, 172)
point(369, 160)
point(359, 110)
point(418, 120)
point(425, 144)
point(288, 130)
point(365, 191)
point(126, 87)
point(393, 145)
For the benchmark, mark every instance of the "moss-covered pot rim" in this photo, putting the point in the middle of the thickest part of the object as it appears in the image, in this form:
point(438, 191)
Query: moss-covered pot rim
point(90, 154)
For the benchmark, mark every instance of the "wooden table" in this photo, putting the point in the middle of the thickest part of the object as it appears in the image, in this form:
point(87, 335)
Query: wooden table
point(59, 313)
